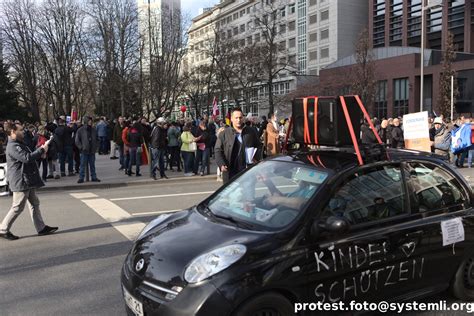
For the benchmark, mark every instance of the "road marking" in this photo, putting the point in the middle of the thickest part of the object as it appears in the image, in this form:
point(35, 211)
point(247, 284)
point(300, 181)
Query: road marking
point(86, 195)
point(116, 216)
point(155, 212)
point(161, 196)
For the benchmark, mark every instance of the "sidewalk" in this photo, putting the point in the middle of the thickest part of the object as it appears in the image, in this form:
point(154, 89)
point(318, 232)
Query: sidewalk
point(107, 171)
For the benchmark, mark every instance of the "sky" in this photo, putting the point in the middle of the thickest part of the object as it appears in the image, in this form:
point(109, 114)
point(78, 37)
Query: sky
point(192, 6)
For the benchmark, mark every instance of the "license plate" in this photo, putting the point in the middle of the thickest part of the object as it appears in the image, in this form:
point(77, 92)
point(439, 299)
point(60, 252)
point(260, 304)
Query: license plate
point(135, 305)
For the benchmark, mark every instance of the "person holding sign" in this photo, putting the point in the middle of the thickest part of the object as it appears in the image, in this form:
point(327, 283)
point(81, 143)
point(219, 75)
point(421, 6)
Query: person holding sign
point(24, 179)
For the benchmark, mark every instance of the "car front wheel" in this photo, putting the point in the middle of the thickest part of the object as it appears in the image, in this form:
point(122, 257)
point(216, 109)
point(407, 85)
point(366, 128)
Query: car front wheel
point(463, 284)
point(268, 304)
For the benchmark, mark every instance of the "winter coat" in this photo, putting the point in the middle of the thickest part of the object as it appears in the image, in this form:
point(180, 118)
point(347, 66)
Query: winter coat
point(22, 169)
point(134, 137)
point(64, 137)
point(86, 139)
point(102, 129)
point(205, 138)
point(159, 137)
point(173, 136)
point(117, 135)
point(273, 142)
point(442, 141)
point(225, 144)
point(397, 137)
point(368, 136)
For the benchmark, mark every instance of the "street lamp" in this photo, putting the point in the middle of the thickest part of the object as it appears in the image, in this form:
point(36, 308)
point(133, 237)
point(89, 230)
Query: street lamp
point(431, 5)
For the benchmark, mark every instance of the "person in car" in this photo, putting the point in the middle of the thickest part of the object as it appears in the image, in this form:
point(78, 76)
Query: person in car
point(380, 209)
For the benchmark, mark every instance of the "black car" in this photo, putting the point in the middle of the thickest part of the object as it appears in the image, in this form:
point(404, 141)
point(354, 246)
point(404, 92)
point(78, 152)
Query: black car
point(309, 227)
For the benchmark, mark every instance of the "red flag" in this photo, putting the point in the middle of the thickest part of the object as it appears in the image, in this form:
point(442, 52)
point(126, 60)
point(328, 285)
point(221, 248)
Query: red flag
point(215, 109)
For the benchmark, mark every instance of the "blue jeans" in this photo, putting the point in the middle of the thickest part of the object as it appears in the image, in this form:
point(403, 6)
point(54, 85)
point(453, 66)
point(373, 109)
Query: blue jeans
point(202, 156)
point(66, 155)
point(87, 159)
point(103, 144)
point(188, 157)
point(157, 157)
point(134, 158)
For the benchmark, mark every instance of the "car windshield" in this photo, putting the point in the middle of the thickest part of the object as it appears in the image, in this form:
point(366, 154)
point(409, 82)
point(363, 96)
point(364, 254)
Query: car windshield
point(269, 196)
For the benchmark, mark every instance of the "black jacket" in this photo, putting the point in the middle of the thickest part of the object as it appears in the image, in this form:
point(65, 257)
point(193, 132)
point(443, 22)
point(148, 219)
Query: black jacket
point(64, 137)
point(397, 137)
point(206, 137)
point(225, 143)
point(22, 169)
point(368, 136)
point(159, 137)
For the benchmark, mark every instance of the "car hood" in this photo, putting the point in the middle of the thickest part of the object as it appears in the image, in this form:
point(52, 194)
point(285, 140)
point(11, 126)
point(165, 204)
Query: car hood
point(171, 246)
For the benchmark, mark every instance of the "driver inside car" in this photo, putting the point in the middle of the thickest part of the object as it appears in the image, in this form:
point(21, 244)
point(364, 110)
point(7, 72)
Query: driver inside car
point(295, 199)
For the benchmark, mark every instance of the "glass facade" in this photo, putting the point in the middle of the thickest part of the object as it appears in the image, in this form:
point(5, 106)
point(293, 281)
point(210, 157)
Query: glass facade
point(396, 22)
point(381, 100)
point(400, 96)
point(302, 37)
point(379, 23)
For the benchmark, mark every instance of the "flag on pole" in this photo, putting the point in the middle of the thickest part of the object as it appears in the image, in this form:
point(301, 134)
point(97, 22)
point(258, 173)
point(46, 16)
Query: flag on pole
point(227, 118)
point(215, 109)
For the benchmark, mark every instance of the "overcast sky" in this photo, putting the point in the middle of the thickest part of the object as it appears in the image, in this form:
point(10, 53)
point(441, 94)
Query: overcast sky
point(192, 6)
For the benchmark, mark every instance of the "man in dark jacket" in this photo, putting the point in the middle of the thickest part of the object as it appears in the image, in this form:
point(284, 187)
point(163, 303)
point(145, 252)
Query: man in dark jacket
point(397, 135)
point(24, 179)
point(86, 142)
point(368, 136)
point(232, 144)
point(158, 147)
point(65, 141)
point(117, 137)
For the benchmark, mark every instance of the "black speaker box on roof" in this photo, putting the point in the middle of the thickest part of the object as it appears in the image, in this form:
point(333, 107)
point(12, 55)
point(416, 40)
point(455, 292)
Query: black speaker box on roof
point(332, 128)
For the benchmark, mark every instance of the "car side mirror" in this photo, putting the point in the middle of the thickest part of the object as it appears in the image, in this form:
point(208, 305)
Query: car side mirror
point(333, 224)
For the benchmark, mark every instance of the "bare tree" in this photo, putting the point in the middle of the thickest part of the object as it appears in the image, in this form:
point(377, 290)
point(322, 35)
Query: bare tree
point(447, 71)
point(267, 21)
point(363, 74)
point(18, 23)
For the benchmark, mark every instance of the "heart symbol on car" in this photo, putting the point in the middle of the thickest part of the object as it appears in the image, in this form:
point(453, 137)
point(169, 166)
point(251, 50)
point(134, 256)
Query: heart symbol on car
point(408, 248)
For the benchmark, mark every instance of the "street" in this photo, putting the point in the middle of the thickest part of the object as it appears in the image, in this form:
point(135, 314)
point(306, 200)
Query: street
point(77, 270)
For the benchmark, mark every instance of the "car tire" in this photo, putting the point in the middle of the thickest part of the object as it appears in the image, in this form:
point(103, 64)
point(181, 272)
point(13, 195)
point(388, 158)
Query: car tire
point(268, 304)
point(462, 286)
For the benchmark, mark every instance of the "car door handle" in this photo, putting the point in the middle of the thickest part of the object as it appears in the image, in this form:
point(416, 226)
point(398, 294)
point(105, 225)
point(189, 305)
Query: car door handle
point(418, 233)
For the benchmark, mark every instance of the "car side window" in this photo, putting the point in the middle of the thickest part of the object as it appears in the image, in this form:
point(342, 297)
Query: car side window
point(372, 195)
point(434, 188)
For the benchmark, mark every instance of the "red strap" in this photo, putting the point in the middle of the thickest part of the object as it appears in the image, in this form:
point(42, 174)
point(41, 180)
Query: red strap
point(307, 138)
point(321, 163)
point(310, 158)
point(367, 117)
point(316, 120)
point(351, 130)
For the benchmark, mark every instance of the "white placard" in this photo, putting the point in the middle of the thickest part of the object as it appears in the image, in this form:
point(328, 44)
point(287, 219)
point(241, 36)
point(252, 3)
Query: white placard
point(452, 230)
point(415, 126)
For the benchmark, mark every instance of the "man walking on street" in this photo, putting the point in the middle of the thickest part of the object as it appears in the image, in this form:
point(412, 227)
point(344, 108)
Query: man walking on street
point(24, 179)
point(233, 145)
point(86, 141)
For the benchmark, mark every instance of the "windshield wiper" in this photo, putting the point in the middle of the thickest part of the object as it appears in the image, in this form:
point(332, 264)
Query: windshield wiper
point(228, 218)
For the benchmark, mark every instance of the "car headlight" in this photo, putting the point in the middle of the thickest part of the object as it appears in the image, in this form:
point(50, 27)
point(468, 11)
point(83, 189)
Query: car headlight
point(213, 262)
point(160, 219)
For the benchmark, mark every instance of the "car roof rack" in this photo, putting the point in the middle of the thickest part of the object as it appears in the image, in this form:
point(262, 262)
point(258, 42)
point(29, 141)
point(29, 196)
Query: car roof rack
point(370, 152)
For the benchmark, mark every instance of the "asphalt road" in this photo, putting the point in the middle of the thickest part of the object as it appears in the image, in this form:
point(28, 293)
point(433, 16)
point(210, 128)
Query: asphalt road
point(77, 270)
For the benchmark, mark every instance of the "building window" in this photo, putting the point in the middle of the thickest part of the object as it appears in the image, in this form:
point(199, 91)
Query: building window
point(324, 15)
point(381, 99)
point(291, 26)
point(313, 19)
point(312, 2)
point(282, 28)
point(292, 8)
point(257, 38)
point(313, 55)
point(242, 13)
point(249, 40)
point(282, 46)
point(248, 10)
point(235, 16)
point(396, 22)
point(242, 28)
point(292, 43)
point(400, 97)
point(283, 12)
point(324, 53)
point(324, 34)
point(379, 23)
point(313, 37)
point(292, 60)
point(236, 31)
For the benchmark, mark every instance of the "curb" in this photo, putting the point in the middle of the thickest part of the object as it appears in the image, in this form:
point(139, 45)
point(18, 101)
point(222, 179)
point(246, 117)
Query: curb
point(112, 185)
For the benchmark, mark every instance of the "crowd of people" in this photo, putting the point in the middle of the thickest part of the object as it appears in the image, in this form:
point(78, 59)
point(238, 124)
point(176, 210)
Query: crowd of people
point(187, 145)
point(452, 140)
